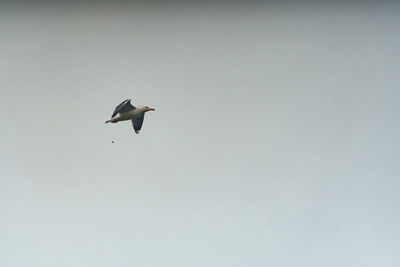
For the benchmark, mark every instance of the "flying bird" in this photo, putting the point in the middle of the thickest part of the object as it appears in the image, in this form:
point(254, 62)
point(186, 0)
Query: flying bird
point(125, 111)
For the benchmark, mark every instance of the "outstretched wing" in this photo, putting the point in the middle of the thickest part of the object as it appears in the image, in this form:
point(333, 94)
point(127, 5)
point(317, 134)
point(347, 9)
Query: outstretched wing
point(123, 107)
point(137, 123)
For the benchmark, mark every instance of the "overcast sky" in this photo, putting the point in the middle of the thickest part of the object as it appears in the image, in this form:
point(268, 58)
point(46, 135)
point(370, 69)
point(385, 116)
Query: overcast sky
point(275, 140)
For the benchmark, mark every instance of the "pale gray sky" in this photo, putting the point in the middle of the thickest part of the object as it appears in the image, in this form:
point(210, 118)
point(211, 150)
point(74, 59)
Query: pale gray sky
point(275, 140)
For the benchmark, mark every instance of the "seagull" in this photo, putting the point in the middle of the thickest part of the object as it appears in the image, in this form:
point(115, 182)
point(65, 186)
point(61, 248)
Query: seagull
point(125, 111)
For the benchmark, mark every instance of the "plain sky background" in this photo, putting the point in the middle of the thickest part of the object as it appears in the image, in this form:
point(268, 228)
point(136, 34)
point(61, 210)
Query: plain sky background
point(275, 140)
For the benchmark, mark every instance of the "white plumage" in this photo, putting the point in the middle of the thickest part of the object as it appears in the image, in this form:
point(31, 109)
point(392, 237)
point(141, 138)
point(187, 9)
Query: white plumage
point(126, 111)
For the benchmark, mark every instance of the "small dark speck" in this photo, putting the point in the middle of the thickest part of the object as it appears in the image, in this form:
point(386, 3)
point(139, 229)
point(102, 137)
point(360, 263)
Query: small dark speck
point(112, 142)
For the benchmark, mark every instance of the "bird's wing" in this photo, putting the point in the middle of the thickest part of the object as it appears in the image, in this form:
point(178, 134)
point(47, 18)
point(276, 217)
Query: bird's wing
point(123, 107)
point(137, 123)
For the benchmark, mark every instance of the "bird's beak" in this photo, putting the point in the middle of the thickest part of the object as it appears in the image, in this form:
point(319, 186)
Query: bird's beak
point(151, 109)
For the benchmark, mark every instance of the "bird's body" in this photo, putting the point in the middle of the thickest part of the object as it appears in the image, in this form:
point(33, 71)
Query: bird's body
point(128, 115)
point(125, 111)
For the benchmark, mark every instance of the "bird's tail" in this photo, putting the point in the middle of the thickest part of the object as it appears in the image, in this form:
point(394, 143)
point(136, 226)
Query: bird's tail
point(108, 121)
